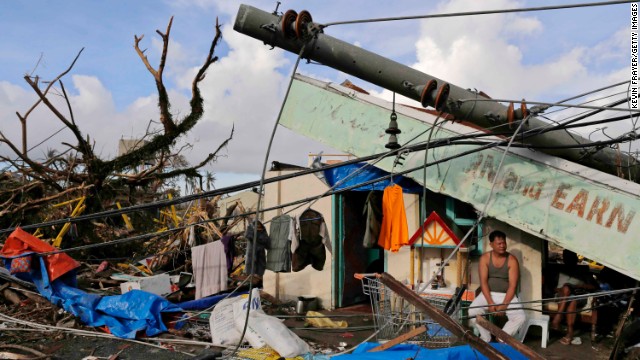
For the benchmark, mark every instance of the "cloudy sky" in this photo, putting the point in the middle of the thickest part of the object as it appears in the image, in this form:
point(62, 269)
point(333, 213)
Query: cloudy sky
point(544, 56)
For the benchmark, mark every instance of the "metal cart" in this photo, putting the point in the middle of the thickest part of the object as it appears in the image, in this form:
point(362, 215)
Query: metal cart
point(394, 316)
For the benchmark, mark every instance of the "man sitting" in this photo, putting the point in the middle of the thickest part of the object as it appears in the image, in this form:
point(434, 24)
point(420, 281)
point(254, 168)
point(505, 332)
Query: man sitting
point(499, 273)
point(570, 282)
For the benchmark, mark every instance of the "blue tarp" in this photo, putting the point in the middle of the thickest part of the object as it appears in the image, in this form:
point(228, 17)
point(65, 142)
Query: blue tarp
point(407, 351)
point(124, 314)
point(207, 302)
point(368, 173)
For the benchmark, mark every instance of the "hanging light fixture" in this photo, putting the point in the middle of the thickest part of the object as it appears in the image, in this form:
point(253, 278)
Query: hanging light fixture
point(393, 128)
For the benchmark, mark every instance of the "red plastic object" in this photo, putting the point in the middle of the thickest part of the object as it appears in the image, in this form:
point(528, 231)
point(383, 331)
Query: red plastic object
point(103, 266)
point(21, 241)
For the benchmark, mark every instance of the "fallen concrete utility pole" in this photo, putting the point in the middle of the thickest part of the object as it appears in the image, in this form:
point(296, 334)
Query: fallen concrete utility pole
point(508, 339)
point(291, 31)
point(440, 317)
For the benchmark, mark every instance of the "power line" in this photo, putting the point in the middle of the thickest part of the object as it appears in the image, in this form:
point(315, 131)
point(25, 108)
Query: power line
point(480, 12)
point(590, 101)
point(548, 104)
point(482, 146)
point(248, 185)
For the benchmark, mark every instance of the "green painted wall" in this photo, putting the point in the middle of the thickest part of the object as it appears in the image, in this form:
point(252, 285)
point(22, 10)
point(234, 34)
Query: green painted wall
point(551, 198)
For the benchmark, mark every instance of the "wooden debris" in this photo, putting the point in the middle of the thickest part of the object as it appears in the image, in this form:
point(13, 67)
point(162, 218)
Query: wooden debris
point(37, 298)
point(21, 348)
point(400, 339)
point(11, 296)
point(13, 356)
point(508, 339)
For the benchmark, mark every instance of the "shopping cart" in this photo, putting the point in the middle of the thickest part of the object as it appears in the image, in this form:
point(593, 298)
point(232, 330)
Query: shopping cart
point(394, 316)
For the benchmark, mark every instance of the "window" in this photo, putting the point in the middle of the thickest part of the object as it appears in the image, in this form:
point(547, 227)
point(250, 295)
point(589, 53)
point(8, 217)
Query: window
point(464, 215)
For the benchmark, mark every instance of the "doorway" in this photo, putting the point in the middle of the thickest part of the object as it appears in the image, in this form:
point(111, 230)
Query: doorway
point(351, 255)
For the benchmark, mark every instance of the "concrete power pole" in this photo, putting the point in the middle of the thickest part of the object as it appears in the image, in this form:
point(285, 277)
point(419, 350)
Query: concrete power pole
point(292, 31)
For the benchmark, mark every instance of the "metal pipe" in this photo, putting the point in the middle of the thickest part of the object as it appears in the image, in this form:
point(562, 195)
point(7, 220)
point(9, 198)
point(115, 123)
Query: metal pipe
point(291, 33)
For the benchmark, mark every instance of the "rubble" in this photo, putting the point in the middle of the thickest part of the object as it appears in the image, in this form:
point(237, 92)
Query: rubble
point(188, 331)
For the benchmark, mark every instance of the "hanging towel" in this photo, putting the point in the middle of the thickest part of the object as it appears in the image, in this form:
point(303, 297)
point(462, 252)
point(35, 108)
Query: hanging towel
point(394, 231)
point(209, 268)
point(279, 250)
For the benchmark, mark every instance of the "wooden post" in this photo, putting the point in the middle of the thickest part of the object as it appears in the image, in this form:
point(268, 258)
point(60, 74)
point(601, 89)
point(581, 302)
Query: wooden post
point(441, 318)
point(614, 351)
point(412, 265)
point(421, 257)
point(508, 339)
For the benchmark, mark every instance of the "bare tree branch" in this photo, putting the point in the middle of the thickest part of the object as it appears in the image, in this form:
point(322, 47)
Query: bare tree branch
point(66, 99)
point(83, 145)
point(43, 200)
point(167, 139)
point(165, 47)
point(195, 93)
point(41, 170)
point(192, 171)
point(163, 97)
point(144, 58)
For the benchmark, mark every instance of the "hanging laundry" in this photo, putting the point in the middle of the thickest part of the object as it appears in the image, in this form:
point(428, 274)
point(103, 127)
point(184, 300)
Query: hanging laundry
point(373, 213)
point(209, 268)
point(281, 233)
point(229, 242)
point(308, 247)
point(394, 232)
point(259, 264)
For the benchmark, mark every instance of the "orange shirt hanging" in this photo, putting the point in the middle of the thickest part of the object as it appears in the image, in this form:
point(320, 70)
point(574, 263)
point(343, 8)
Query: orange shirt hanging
point(394, 231)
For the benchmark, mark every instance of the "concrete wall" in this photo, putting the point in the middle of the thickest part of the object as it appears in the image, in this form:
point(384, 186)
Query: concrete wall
point(248, 199)
point(308, 281)
point(529, 251)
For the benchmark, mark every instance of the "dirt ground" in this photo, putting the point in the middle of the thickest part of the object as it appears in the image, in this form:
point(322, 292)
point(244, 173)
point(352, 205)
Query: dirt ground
point(60, 346)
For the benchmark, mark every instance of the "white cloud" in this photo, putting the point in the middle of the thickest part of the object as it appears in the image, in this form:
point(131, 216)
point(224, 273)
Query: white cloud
point(518, 26)
point(92, 98)
point(477, 52)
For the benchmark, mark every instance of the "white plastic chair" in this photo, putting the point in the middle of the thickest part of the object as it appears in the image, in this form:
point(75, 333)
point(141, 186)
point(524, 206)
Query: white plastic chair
point(541, 320)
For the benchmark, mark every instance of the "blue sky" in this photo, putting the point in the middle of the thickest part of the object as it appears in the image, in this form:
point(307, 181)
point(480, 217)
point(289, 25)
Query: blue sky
point(541, 56)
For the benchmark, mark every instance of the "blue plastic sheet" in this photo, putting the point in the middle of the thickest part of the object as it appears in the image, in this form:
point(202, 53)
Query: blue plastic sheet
point(125, 315)
point(407, 351)
point(207, 302)
point(369, 173)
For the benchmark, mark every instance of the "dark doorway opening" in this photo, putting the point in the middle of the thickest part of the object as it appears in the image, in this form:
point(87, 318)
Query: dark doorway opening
point(352, 256)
